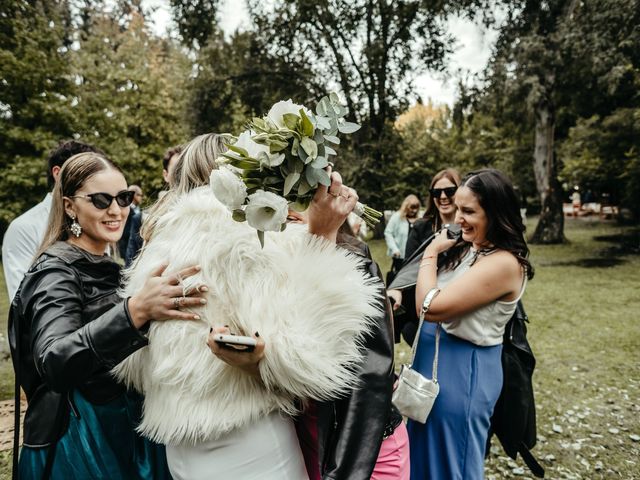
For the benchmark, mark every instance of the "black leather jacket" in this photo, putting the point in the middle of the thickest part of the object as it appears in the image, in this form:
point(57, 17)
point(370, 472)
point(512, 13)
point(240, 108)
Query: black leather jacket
point(67, 329)
point(350, 429)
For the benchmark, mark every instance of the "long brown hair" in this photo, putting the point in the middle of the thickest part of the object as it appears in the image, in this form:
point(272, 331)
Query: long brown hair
point(73, 175)
point(432, 212)
point(505, 228)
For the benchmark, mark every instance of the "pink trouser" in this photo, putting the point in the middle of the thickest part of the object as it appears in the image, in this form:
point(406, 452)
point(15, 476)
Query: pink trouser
point(393, 459)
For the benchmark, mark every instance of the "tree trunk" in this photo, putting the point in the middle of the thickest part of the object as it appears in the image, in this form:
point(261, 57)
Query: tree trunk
point(550, 228)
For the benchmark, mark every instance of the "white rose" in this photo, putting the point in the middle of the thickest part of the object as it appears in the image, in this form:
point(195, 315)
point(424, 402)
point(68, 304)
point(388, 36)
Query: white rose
point(228, 187)
point(266, 211)
point(283, 107)
point(252, 148)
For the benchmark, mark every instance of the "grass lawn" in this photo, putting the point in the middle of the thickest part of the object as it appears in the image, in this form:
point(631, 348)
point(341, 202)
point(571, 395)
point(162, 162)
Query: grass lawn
point(583, 306)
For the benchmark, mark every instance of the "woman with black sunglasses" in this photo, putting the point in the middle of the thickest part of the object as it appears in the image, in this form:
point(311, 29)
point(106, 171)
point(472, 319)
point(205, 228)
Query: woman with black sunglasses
point(68, 327)
point(440, 209)
point(467, 297)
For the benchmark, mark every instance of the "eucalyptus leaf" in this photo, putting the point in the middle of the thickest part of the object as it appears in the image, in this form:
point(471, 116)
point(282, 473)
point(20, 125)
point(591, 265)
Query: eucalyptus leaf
point(277, 146)
point(332, 139)
point(238, 150)
point(272, 180)
point(329, 151)
point(295, 165)
point(319, 162)
point(295, 146)
point(340, 110)
point(303, 187)
point(323, 122)
point(310, 147)
point(320, 109)
point(334, 98)
point(290, 120)
point(318, 137)
point(310, 176)
point(323, 177)
point(290, 181)
point(348, 127)
point(302, 154)
point(307, 126)
point(300, 205)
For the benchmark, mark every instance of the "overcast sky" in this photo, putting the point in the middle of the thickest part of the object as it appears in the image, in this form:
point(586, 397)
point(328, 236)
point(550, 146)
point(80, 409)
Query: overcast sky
point(471, 55)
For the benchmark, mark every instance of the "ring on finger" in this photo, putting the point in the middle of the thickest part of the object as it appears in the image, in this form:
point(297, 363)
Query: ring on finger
point(333, 194)
point(177, 302)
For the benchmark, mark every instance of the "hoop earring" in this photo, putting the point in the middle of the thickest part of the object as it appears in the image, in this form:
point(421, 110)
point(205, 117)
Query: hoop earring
point(75, 227)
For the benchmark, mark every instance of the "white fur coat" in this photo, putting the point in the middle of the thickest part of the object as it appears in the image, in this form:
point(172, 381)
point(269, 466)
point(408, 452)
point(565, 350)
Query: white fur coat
point(306, 298)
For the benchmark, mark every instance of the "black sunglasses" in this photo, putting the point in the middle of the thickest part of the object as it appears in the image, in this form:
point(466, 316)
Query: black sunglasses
point(103, 200)
point(437, 192)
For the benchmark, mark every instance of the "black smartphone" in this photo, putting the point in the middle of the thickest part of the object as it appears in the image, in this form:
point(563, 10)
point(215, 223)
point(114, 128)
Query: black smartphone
point(454, 231)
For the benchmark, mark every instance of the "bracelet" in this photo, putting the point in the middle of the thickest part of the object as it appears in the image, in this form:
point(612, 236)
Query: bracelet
point(431, 294)
point(425, 263)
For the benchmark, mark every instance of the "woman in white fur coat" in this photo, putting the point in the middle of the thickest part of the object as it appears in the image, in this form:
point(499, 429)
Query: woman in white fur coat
point(308, 300)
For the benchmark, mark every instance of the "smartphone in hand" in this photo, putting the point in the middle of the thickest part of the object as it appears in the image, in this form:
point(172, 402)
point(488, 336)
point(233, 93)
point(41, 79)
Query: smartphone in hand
point(237, 343)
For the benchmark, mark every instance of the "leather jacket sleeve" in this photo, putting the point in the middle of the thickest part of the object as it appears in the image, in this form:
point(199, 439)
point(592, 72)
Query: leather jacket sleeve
point(67, 347)
point(360, 418)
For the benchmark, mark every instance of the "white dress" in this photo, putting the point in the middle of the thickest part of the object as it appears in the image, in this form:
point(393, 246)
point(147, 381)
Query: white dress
point(265, 450)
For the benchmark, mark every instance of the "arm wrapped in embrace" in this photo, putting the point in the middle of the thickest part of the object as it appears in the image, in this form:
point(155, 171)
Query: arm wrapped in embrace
point(307, 298)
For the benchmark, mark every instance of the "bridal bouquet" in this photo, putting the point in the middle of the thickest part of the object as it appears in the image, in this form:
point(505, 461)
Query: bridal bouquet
point(279, 162)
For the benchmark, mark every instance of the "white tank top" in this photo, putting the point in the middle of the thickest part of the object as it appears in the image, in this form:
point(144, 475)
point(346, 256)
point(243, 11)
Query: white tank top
point(484, 326)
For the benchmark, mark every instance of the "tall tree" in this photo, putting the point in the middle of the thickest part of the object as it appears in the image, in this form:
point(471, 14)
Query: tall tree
point(369, 50)
point(237, 78)
point(557, 61)
point(130, 94)
point(36, 92)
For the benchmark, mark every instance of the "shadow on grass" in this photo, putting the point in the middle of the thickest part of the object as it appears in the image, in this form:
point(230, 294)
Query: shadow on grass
point(627, 243)
point(599, 262)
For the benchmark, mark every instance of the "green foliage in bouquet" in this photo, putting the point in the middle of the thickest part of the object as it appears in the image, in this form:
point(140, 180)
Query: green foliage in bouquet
point(287, 151)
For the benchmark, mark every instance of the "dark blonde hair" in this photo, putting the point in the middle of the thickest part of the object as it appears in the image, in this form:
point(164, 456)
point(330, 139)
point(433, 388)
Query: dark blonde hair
point(404, 208)
point(432, 212)
point(73, 175)
point(192, 170)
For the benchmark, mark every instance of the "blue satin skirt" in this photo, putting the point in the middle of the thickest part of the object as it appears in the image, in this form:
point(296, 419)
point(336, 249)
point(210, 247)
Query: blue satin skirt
point(100, 443)
point(451, 444)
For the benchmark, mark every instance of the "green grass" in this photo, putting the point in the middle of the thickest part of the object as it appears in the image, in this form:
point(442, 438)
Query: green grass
point(583, 306)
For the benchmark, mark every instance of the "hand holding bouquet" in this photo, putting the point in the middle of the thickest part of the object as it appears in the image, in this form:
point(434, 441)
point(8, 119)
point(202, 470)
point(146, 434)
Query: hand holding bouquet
point(280, 161)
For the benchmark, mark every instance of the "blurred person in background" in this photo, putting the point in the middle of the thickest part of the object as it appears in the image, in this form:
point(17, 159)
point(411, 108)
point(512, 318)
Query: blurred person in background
point(441, 209)
point(397, 232)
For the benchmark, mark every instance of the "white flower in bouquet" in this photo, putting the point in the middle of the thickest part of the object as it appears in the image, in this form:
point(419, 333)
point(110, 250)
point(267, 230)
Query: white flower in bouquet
point(282, 159)
point(228, 187)
point(252, 148)
point(246, 147)
point(279, 111)
point(266, 211)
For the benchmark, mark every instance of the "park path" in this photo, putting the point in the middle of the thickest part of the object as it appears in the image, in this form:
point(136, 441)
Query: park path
point(6, 423)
